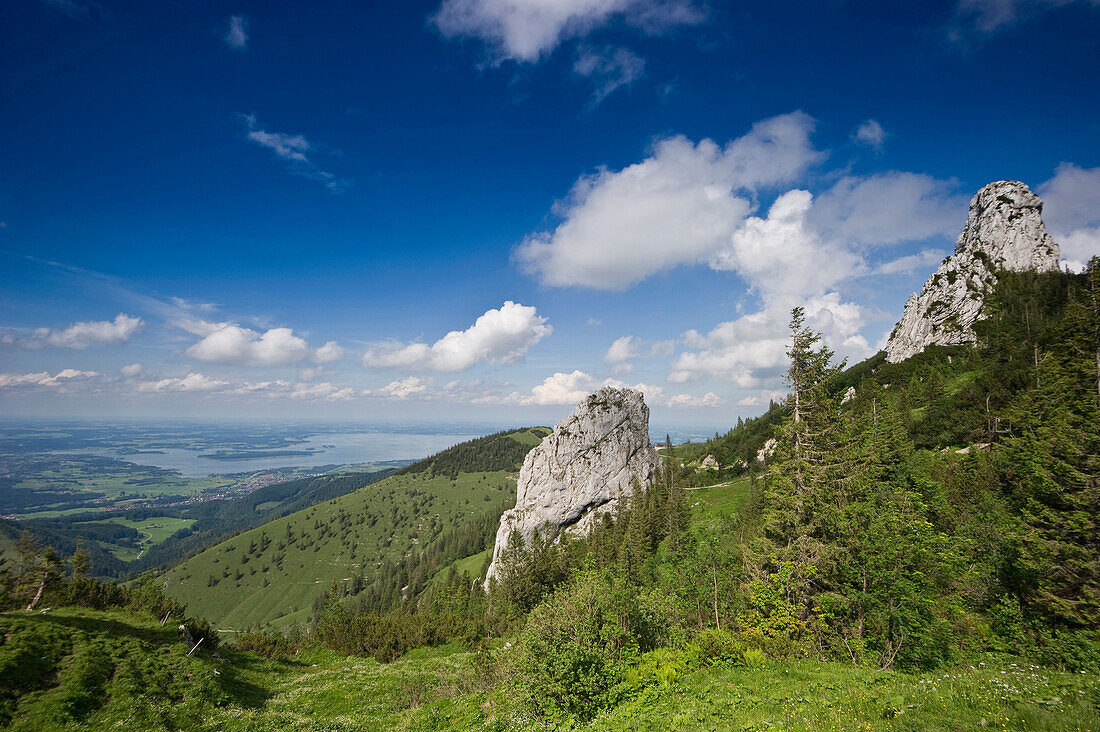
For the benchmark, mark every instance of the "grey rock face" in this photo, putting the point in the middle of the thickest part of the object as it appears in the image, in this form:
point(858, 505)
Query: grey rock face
point(581, 469)
point(1003, 231)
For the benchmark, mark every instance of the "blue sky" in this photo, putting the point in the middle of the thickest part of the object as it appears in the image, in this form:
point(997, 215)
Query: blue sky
point(482, 209)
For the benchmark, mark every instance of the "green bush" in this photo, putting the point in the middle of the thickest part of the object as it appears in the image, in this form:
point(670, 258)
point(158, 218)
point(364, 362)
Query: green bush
point(579, 646)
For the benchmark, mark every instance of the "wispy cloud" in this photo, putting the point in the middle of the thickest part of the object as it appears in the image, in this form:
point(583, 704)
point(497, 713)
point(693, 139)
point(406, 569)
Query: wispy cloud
point(295, 151)
point(608, 69)
point(985, 17)
point(72, 8)
point(236, 34)
point(529, 30)
point(870, 133)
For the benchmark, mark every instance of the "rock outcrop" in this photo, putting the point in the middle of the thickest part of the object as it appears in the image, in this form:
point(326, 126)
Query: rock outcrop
point(1003, 231)
point(580, 471)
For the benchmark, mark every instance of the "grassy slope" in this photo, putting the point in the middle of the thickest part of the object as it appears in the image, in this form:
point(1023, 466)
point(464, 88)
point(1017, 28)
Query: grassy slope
point(333, 540)
point(143, 680)
point(154, 530)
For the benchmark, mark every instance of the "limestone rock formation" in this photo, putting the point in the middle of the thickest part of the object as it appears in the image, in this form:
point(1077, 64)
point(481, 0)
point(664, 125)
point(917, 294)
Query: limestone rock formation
point(580, 471)
point(709, 463)
point(1003, 231)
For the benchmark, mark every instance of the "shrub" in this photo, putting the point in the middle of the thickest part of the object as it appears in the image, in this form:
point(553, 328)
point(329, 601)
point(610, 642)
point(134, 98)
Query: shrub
point(578, 646)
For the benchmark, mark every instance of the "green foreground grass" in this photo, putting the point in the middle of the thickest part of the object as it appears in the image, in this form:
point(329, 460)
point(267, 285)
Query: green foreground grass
point(112, 670)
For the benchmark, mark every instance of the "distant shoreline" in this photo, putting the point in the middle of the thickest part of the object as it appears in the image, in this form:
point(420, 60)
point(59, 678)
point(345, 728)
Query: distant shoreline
point(251, 455)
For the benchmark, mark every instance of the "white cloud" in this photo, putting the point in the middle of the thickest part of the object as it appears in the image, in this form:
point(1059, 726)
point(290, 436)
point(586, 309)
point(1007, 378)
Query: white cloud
point(293, 150)
point(312, 373)
point(751, 351)
point(79, 336)
point(608, 69)
point(329, 352)
point(710, 399)
point(922, 260)
point(1071, 211)
point(782, 255)
point(527, 30)
point(404, 388)
point(688, 204)
point(131, 370)
point(678, 206)
point(193, 382)
point(236, 35)
point(232, 344)
point(324, 390)
point(61, 379)
point(888, 208)
point(569, 389)
point(870, 133)
point(622, 350)
point(627, 348)
point(499, 336)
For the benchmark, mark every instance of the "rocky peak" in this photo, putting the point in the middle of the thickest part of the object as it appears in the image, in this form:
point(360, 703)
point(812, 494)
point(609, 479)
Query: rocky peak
point(1003, 231)
point(593, 458)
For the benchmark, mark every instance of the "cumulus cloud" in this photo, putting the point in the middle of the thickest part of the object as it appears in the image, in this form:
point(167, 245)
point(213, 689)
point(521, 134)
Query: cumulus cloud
point(627, 348)
point(236, 34)
point(622, 350)
point(563, 389)
point(193, 382)
point(710, 399)
point(404, 388)
point(870, 133)
point(131, 370)
point(500, 336)
point(60, 380)
point(1071, 212)
point(678, 206)
point(690, 204)
point(295, 151)
point(232, 344)
point(528, 30)
point(78, 336)
point(751, 351)
point(322, 391)
point(608, 69)
point(782, 255)
point(329, 352)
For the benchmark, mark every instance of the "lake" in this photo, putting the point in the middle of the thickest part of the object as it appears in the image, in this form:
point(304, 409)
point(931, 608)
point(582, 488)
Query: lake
point(325, 448)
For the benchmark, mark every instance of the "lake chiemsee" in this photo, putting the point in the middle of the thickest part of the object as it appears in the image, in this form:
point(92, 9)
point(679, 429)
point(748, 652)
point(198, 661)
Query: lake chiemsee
point(324, 448)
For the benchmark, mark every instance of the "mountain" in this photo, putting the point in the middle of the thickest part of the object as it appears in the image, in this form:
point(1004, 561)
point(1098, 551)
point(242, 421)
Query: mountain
point(274, 572)
point(1004, 231)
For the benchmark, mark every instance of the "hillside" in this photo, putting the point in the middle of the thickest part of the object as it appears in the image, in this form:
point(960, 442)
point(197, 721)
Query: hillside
point(272, 574)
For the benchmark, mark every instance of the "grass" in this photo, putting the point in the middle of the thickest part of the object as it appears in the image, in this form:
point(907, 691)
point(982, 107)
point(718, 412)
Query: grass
point(808, 695)
point(264, 575)
point(721, 499)
point(153, 530)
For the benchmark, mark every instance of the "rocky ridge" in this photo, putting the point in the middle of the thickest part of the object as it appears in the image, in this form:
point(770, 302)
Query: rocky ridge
point(1004, 230)
point(579, 472)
